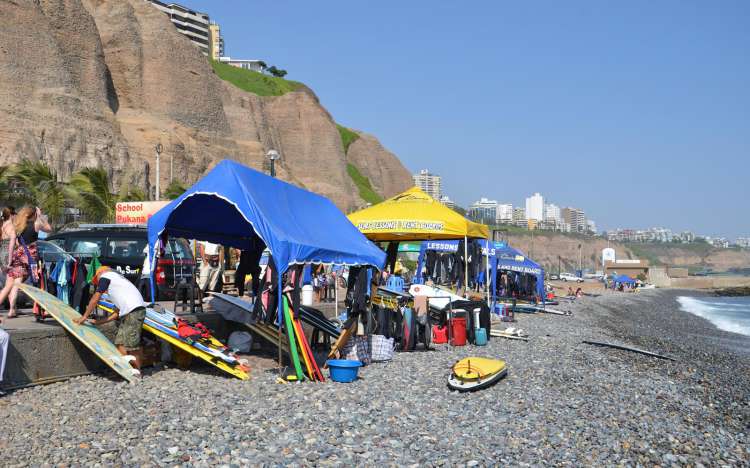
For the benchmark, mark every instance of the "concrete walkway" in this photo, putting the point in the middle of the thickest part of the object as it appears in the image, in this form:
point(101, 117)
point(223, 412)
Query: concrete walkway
point(44, 352)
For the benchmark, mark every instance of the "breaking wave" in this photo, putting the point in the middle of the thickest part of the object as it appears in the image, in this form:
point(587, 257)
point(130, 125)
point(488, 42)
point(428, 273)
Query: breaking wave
point(730, 314)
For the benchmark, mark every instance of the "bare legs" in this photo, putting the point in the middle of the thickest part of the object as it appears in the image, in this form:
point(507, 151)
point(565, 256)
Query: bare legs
point(10, 291)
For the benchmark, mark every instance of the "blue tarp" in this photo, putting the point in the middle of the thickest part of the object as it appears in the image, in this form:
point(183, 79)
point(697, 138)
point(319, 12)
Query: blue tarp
point(232, 203)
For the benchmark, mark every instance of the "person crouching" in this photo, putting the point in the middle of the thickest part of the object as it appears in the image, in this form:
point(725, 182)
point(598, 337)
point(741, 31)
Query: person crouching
point(130, 311)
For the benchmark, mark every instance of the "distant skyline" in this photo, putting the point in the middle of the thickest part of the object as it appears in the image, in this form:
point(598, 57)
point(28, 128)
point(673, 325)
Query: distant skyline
point(637, 112)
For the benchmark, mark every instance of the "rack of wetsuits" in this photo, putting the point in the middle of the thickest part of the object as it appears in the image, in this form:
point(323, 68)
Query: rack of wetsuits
point(443, 262)
point(67, 276)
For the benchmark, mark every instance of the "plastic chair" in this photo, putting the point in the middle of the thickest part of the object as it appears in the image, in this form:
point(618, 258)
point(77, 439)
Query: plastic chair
point(395, 283)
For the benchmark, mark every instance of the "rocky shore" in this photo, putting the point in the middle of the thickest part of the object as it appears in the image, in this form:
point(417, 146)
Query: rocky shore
point(563, 403)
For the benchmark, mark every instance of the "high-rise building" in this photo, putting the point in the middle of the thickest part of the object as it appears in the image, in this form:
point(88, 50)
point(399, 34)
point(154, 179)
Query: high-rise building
point(446, 200)
point(505, 213)
point(576, 218)
point(215, 42)
point(519, 217)
point(591, 226)
point(552, 213)
point(429, 183)
point(535, 207)
point(191, 23)
point(484, 211)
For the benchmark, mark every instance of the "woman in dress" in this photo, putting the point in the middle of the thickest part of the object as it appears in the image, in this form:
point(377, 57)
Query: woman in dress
point(27, 223)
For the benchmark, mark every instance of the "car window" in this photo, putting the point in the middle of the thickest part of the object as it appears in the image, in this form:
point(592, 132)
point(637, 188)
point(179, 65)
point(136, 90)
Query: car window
point(178, 249)
point(86, 246)
point(125, 249)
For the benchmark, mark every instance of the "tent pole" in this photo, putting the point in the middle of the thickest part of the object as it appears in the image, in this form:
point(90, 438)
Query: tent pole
point(279, 318)
point(466, 267)
point(487, 273)
point(336, 294)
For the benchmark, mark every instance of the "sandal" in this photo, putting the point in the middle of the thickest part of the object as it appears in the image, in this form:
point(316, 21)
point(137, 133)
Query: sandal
point(11, 315)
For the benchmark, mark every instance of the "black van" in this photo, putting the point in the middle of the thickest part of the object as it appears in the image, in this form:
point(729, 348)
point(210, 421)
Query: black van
point(123, 248)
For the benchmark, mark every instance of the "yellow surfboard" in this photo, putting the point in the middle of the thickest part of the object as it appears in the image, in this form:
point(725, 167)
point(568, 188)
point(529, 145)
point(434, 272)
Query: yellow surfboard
point(87, 334)
point(236, 371)
point(476, 373)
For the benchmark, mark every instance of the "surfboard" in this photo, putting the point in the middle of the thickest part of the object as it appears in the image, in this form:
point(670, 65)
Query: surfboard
point(87, 334)
point(211, 350)
point(476, 373)
point(292, 345)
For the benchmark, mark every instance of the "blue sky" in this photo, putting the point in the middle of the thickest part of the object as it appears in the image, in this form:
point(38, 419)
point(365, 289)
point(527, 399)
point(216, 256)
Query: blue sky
point(637, 112)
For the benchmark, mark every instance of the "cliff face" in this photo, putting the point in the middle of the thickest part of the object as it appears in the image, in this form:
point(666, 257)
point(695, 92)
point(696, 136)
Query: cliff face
point(546, 247)
point(101, 82)
point(387, 174)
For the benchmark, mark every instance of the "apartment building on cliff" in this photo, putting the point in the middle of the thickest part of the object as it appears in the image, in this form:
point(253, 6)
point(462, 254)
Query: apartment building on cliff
point(193, 24)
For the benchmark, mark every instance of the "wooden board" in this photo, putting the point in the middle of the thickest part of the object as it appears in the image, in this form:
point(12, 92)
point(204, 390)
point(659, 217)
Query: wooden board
point(87, 334)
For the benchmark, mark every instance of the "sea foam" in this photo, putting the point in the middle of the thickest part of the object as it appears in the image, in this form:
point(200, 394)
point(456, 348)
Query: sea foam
point(732, 314)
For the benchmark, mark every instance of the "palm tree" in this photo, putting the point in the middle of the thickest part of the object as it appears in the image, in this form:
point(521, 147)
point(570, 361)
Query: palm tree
point(90, 187)
point(174, 190)
point(42, 187)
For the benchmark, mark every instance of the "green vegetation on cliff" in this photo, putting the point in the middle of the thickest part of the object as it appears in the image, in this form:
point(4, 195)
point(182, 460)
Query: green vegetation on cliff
point(347, 137)
point(366, 191)
point(254, 82)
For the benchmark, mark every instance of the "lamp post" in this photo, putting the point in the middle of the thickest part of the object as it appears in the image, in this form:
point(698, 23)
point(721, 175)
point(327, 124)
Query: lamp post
point(272, 156)
point(158, 149)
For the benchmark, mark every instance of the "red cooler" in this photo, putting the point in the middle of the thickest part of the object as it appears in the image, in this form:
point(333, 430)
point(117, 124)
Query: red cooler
point(458, 331)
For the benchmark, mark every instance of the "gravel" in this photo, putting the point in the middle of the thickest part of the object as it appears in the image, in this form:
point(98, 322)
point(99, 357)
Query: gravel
point(563, 403)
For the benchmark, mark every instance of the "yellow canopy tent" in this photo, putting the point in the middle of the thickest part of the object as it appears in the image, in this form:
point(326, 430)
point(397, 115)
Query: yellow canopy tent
point(413, 216)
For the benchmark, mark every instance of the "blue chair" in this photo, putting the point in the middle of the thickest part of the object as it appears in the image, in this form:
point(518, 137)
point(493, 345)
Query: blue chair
point(395, 283)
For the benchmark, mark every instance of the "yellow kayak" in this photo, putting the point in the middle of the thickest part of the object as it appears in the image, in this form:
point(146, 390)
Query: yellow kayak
point(476, 373)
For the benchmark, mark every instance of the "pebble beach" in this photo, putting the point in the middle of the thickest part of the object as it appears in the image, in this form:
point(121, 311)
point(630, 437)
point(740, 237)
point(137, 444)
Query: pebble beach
point(563, 403)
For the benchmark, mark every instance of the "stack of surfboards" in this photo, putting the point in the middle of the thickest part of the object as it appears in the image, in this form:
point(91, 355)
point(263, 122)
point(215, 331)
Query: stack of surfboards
point(163, 325)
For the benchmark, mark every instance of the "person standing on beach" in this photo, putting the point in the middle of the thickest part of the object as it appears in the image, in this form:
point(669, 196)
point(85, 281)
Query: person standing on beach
point(27, 224)
point(212, 266)
point(130, 311)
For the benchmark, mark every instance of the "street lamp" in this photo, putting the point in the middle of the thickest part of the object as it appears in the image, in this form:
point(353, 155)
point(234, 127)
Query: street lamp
point(158, 149)
point(273, 155)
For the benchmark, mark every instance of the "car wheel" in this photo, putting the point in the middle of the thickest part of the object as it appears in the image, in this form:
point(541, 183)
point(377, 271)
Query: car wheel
point(565, 279)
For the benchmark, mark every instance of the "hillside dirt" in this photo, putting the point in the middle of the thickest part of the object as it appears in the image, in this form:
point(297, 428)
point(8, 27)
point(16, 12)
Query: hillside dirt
point(545, 247)
point(101, 82)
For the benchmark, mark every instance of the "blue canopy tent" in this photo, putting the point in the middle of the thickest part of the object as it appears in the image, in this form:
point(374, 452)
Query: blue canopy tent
point(623, 279)
point(507, 258)
point(233, 203)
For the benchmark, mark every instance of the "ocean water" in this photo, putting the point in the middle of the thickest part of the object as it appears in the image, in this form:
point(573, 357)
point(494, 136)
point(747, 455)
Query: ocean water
point(730, 314)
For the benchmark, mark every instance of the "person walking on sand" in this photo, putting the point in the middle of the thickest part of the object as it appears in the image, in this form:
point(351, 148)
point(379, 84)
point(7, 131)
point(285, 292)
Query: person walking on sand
point(27, 224)
point(130, 311)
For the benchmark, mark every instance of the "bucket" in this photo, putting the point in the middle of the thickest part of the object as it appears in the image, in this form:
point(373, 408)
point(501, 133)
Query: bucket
point(480, 337)
point(343, 370)
point(307, 295)
point(458, 331)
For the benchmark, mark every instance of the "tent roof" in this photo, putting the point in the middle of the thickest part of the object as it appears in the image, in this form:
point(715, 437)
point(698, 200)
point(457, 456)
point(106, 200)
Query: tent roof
point(414, 215)
point(233, 203)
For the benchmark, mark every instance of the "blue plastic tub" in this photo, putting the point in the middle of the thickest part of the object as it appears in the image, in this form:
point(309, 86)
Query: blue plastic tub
point(343, 370)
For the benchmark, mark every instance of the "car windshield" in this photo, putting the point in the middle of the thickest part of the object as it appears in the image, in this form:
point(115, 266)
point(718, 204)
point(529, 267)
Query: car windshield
point(123, 249)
